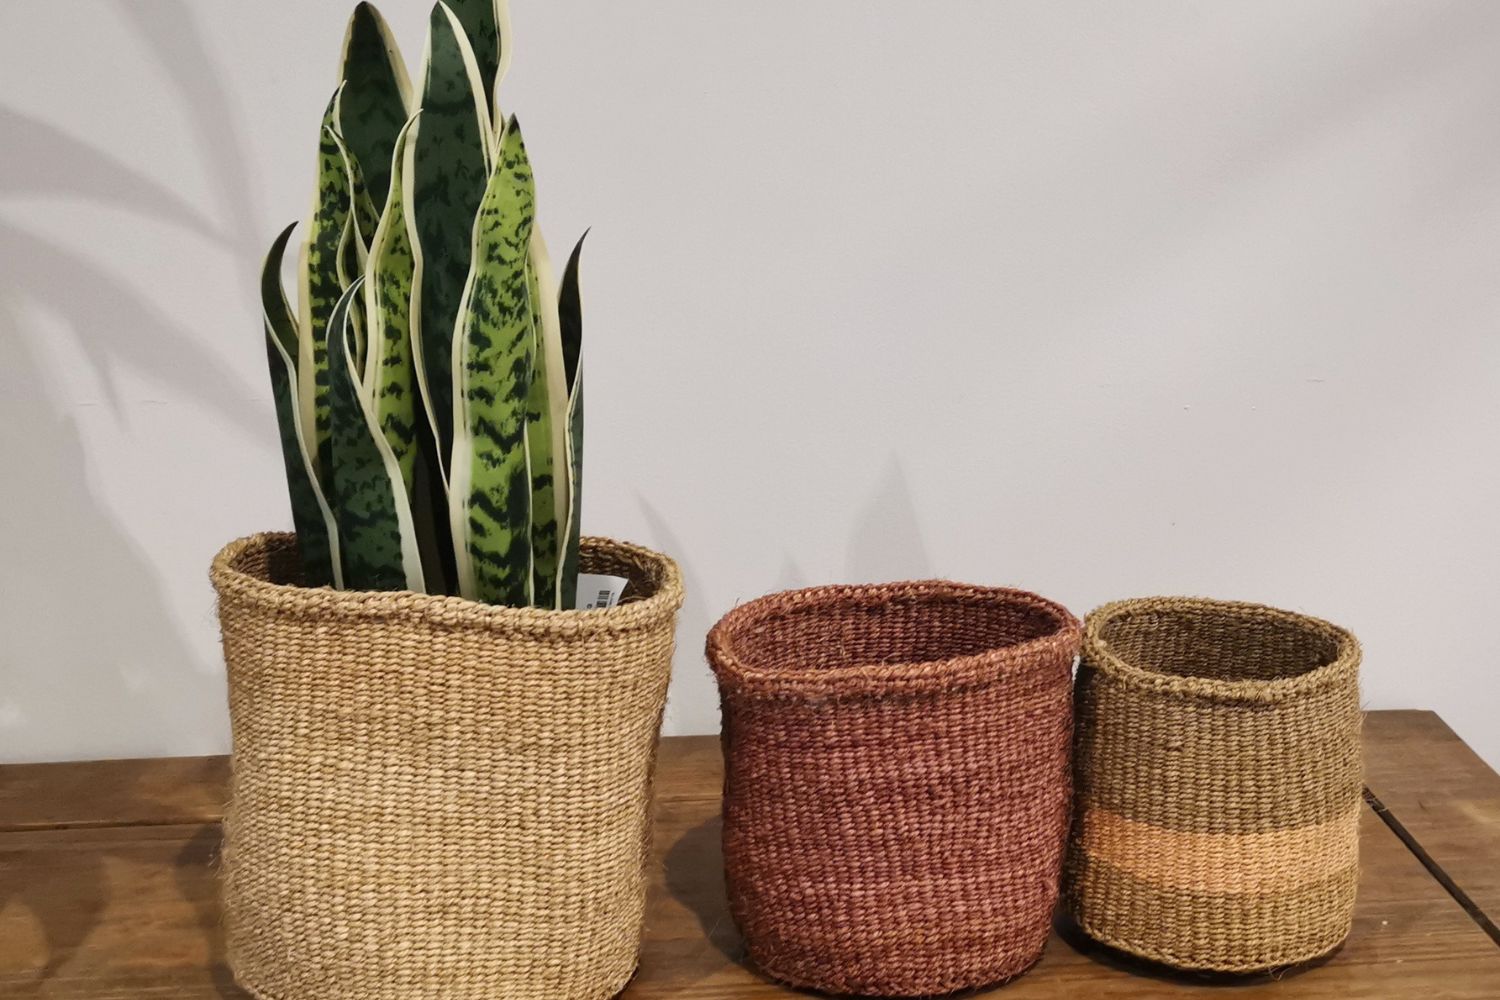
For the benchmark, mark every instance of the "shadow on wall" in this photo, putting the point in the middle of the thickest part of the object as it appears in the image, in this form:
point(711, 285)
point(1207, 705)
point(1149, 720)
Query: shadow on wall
point(886, 544)
point(887, 540)
point(89, 639)
point(87, 633)
point(693, 704)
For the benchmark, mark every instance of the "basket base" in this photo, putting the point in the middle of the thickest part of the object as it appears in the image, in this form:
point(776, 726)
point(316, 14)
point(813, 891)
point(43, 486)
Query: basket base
point(996, 975)
point(541, 992)
point(1142, 959)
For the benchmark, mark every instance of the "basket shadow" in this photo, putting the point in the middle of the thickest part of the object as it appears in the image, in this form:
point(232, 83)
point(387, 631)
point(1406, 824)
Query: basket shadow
point(67, 906)
point(1075, 938)
point(696, 852)
point(201, 852)
point(699, 851)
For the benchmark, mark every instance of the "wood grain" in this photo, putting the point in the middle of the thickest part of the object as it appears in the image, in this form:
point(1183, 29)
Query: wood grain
point(113, 793)
point(130, 911)
point(1443, 794)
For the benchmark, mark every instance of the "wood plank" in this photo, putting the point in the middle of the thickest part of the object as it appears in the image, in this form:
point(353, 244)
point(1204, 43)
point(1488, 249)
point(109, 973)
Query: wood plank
point(1443, 794)
point(132, 912)
point(1410, 939)
point(688, 768)
point(163, 790)
point(102, 911)
point(112, 912)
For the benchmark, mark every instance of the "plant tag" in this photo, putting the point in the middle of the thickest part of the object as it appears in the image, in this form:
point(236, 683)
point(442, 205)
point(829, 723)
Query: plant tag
point(597, 591)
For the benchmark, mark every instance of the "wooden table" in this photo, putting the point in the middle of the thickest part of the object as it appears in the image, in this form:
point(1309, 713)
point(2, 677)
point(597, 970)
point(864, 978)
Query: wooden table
point(107, 886)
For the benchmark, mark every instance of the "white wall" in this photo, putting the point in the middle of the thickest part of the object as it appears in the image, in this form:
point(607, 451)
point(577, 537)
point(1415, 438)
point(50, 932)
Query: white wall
point(1098, 299)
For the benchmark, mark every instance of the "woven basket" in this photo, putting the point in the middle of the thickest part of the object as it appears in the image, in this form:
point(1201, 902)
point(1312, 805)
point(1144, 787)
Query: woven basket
point(1217, 769)
point(896, 782)
point(433, 797)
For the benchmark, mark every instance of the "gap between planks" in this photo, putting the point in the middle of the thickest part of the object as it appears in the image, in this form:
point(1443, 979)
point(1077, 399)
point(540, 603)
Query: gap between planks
point(1473, 909)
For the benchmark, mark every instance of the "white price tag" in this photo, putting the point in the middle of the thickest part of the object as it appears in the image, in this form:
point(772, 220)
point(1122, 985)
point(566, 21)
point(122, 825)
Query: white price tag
point(596, 591)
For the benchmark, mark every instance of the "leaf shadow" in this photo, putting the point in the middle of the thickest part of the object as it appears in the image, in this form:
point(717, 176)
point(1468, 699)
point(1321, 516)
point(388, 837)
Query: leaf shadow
point(693, 704)
point(170, 31)
point(35, 148)
point(887, 543)
point(88, 636)
point(116, 324)
point(66, 910)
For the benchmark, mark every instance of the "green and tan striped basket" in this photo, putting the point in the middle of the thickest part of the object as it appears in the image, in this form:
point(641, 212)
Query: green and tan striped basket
point(1217, 784)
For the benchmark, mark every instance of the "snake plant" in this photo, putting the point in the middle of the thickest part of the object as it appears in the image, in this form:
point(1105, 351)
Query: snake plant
point(428, 382)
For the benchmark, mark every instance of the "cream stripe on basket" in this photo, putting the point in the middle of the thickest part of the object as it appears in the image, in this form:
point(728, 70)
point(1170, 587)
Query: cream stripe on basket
point(1270, 861)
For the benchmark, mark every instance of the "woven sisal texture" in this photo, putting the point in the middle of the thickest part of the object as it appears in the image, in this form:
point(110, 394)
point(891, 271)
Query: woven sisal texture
point(1217, 784)
point(896, 782)
point(433, 797)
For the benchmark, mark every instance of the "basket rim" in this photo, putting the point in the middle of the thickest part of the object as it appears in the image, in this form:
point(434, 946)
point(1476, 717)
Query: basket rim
point(442, 610)
point(947, 673)
point(1100, 656)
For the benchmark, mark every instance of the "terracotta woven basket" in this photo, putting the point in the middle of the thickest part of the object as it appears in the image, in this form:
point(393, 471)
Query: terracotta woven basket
point(1217, 774)
point(896, 782)
point(433, 797)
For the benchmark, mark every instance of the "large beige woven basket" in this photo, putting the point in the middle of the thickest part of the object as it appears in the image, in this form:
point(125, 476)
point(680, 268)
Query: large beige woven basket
point(433, 797)
point(1217, 783)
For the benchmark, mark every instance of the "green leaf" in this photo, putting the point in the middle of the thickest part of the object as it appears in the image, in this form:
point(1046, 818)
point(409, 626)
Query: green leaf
point(429, 504)
point(319, 287)
point(490, 490)
point(486, 23)
point(547, 427)
point(570, 316)
point(351, 264)
point(450, 151)
point(354, 244)
point(317, 535)
point(280, 323)
point(376, 534)
point(366, 217)
point(392, 385)
point(377, 96)
point(568, 575)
